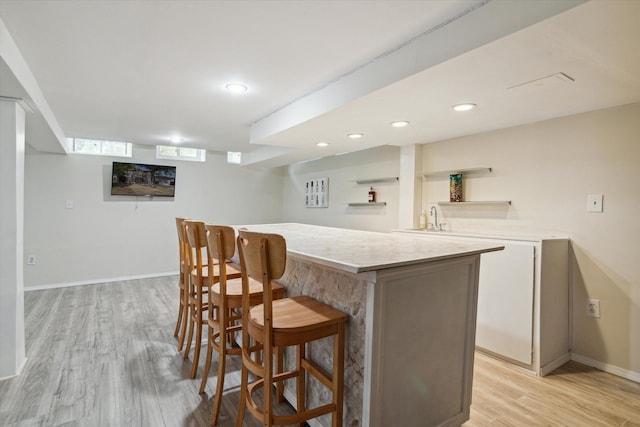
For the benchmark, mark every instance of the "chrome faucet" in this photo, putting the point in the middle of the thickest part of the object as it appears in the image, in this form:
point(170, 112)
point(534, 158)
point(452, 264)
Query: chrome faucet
point(435, 226)
point(434, 212)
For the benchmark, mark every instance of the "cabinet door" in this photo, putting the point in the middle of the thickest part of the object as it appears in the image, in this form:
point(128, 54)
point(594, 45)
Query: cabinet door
point(505, 302)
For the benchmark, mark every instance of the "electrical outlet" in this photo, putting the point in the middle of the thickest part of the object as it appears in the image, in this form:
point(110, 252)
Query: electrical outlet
point(594, 203)
point(31, 260)
point(593, 308)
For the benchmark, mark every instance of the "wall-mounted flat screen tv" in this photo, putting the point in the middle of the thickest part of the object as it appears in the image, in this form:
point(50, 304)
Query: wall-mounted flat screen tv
point(137, 179)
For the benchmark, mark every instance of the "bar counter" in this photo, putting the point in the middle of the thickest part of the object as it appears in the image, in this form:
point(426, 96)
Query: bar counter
point(410, 335)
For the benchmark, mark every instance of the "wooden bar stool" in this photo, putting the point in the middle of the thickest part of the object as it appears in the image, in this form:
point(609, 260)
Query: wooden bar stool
point(183, 311)
point(200, 276)
point(285, 322)
point(225, 298)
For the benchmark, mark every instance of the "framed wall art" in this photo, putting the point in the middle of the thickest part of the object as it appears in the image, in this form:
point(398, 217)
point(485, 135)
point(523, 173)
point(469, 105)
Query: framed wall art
point(316, 193)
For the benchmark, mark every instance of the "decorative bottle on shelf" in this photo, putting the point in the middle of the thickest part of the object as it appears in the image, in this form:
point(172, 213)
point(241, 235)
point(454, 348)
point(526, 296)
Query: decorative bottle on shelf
point(372, 195)
point(455, 187)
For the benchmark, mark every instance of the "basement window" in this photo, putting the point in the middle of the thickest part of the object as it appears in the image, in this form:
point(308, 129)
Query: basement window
point(181, 153)
point(234, 157)
point(99, 147)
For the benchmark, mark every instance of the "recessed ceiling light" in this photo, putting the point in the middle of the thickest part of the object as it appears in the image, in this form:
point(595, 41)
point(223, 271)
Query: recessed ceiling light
point(322, 144)
point(400, 124)
point(236, 88)
point(464, 107)
point(355, 135)
point(176, 139)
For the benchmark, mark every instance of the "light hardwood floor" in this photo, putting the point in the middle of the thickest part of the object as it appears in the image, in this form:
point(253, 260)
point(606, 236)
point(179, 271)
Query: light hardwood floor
point(104, 355)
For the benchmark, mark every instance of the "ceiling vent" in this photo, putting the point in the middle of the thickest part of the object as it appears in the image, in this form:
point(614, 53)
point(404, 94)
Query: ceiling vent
point(551, 80)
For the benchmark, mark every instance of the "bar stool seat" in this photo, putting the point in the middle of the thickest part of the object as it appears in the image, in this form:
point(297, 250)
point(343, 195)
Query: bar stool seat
point(297, 320)
point(281, 323)
point(232, 271)
point(234, 292)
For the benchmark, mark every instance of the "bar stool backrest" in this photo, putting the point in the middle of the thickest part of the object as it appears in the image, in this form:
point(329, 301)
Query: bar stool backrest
point(181, 239)
point(196, 234)
point(262, 254)
point(221, 242)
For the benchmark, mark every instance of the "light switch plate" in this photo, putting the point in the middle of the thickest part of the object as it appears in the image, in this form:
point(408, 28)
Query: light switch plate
point(594, 203)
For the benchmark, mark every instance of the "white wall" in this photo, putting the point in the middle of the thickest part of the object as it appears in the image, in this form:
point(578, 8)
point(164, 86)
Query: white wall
point(342, 172)
point(12, 153)
point(547, 169)
point(105, 237)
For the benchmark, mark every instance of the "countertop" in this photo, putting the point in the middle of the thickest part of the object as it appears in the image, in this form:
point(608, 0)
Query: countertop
point(358, 251)
point(500, 235)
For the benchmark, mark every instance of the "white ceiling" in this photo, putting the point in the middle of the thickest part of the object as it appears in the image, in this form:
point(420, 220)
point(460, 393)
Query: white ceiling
point(143, 71)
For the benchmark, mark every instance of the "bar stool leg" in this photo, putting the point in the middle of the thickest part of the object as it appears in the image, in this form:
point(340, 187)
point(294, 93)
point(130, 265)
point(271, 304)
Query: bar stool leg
point(185, 319)
point(300, 379)
point(244, 382)
point(207, 365)
point(223, 325)
point(179, 321)
point(190, 337)
point(279, 370)
point(198, 345)
point(338, 375)
point(217, 400)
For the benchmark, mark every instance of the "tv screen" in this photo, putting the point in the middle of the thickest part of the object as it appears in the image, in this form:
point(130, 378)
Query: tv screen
point(136, 179)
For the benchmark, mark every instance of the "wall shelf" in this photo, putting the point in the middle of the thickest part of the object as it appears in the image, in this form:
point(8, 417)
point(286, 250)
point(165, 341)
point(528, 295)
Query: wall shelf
point(377, 180)
point(467, 171)
point(478, 202)
point(368, 204)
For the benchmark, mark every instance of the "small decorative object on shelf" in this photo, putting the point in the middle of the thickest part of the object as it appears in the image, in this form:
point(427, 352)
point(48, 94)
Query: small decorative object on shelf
point(455, 187)
point(372, 195)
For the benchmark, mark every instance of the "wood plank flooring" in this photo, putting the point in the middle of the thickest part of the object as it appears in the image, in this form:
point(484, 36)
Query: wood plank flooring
point(105, 355)
point(572, 395)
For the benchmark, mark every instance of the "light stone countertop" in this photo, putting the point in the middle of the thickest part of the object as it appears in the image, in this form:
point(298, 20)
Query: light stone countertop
point(528, 236)
point(360, 251)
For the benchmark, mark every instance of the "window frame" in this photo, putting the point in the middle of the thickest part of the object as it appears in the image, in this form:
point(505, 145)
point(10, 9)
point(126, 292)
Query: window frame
point(104, 146)
point(201, 154)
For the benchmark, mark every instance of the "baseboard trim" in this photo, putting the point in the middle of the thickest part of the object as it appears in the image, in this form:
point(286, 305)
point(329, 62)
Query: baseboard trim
point(97, 281)
point(615, 370)
point(554, 364)
point(22, 365)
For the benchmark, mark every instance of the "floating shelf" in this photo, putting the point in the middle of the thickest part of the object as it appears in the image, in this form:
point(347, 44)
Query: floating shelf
point(479, 202)
point(453, 171)
point(368, 204)
point(377, 180)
